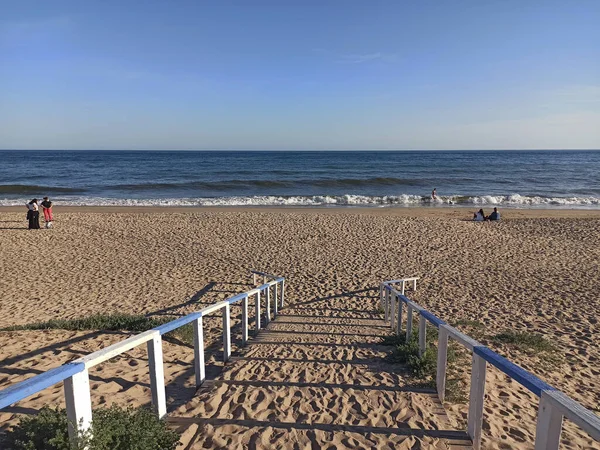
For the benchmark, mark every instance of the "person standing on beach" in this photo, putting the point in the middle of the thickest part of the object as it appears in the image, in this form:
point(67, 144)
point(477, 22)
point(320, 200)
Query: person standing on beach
point(47, 208)
point(33, 215)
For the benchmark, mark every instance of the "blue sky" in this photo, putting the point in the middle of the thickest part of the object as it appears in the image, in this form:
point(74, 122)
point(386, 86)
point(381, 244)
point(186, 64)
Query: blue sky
point(299, 74)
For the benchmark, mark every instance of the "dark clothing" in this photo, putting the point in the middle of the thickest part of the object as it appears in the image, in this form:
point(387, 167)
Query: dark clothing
point(47, 204)
point(494, 216)
point(34, 219)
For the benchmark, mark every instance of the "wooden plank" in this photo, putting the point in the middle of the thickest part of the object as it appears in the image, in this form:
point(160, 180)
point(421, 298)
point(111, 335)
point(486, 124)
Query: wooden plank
point(575, 412)
point(549, 425)
point(399, 323)
point(517, 373)
point(78, 403)
point(442, 360)
point(422, 335)
point(409, 320)
point(157, 376)
point(476, 398)
point(257, 314)
point(173, 325)
point(35, 384)
point(226, 334)
point(214, 307)
point(245, 321)
point(199, 368)
point(111, 351)
point(392, 310)
point(462, 338)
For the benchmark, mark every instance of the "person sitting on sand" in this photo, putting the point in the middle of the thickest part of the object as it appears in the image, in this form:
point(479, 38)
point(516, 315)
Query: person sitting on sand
point(479, 216)
point(434, 194)
point(494, 216)
point(47, 208)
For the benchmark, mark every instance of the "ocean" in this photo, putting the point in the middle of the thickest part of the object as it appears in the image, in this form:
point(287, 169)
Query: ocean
point(518, 179)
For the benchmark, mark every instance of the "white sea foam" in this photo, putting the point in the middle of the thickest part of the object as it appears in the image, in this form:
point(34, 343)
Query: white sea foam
point(514, 200)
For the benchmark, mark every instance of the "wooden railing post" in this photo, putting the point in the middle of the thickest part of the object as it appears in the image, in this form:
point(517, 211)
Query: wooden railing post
point(476, 397)
point(79, 404)
point(549, 426)
point(257, 312)
point(199, 369)
point(392, 310)
point(157, 376)
point(442, 359)
point(403, 286)
point(226, 333)
point(415, 284)
point(422, 335)
point(399, 325)
point(282, 292)
point(245, 320)
point(386, 312)
point(409, 322)
point(268, 316)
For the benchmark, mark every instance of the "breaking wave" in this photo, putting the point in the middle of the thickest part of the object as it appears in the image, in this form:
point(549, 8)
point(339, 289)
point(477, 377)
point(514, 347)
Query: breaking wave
point(514, 201)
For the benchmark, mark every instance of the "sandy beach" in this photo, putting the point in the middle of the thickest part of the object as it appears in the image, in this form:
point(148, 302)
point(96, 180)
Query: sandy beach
point(535, 271)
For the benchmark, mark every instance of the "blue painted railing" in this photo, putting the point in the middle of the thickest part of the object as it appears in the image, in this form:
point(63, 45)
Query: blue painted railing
point(554, 405)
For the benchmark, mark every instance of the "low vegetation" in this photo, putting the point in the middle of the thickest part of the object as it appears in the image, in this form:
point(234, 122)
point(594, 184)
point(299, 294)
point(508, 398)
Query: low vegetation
point(524, 341)
point(423, 368)
point(109, 322)
point(112, 428)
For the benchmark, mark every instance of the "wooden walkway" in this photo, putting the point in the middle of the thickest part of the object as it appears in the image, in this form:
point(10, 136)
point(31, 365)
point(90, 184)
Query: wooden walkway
point(315, 378)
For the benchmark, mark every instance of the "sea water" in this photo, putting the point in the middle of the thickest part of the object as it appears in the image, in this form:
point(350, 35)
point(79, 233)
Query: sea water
point(549, 179)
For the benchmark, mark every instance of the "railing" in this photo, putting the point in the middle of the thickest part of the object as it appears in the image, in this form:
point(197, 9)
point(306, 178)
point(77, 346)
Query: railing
point(553, 405)
point(76, 377)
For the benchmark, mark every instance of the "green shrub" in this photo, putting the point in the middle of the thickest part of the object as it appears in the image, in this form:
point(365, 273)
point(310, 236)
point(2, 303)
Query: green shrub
point(113, 428)
point(47, 430)
point(524, 341)
point(109, 322)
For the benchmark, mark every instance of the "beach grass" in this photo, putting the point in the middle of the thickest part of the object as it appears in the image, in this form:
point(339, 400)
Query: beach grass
point(524, 341)
point(136, 323)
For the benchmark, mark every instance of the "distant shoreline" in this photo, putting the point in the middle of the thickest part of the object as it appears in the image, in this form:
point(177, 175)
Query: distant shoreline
point(445, 212)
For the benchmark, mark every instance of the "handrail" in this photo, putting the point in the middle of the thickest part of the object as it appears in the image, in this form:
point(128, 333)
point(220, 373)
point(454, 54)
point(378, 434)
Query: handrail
point(554, 405)
point(75, 373)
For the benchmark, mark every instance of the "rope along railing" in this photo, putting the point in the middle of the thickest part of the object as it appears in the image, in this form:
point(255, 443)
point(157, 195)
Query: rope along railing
point(553, 405)
point(76, 376)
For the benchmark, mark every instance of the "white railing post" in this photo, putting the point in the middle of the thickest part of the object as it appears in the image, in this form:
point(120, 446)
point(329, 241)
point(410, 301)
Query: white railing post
point(199, 369)
point(476, 397)
point(276, 296)
point(392, 310)
point(399, 325)
point(157, 376)
point(245, 320)
point(385, 304)
point(276, 304)
point(442, 359)
point(257, 312)
point(264, 279)
point(381, 295)
point(415, 284)
point(226, 333)
point(549, 426)
point(409, 322)
point(254, 279)
point(268, 302)
point(403, 286)
point(282, 292)
point(79, 404)
point(422, 335)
